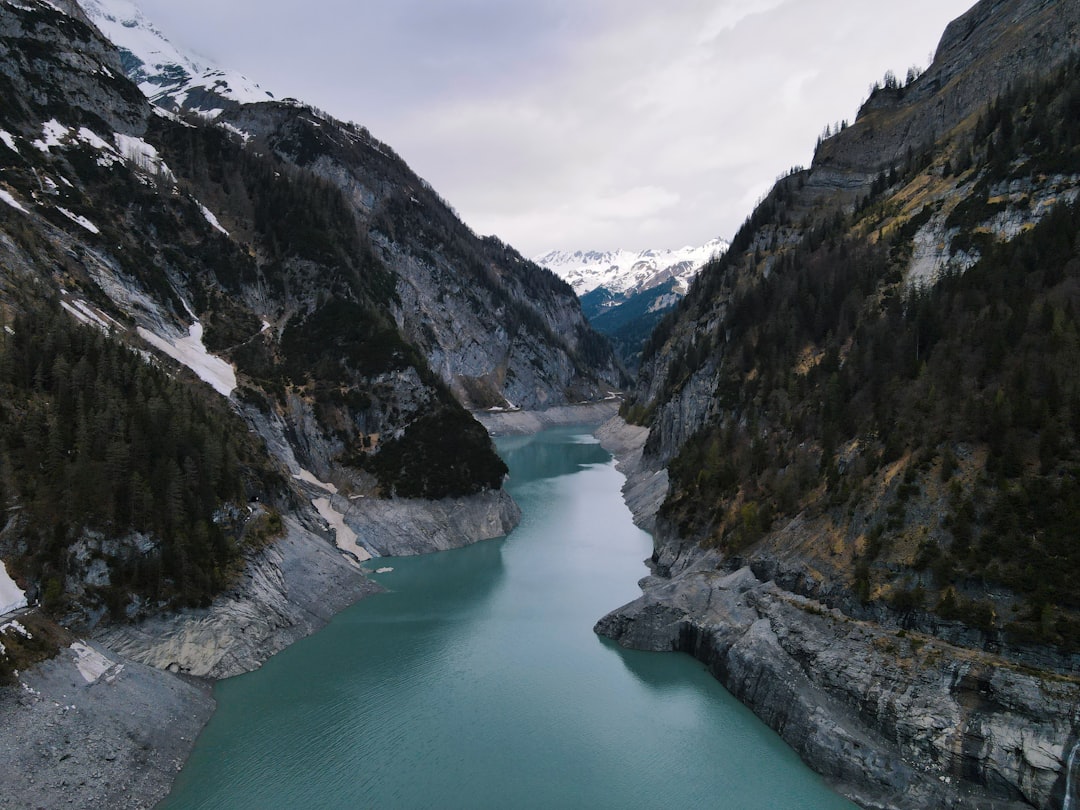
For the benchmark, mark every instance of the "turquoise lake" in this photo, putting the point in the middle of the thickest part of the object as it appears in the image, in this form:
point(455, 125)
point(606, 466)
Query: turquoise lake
point(476, 681)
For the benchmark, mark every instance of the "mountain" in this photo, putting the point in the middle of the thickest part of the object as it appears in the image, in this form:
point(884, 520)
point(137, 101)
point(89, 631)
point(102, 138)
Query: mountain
point(624, 294)
point(326, 294)
point(623, 271)
point(500, 331)
point(863, 442)
point(237, 357)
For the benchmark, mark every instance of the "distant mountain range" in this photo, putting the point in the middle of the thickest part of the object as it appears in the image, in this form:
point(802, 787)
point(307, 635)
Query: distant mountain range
point(627, 272)
point(625, 294)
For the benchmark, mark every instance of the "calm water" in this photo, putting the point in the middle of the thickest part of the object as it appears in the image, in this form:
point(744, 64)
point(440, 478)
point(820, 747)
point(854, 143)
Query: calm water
point(477, 682)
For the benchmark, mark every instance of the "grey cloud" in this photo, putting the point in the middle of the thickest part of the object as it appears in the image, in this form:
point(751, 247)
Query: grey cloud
point(556, 123)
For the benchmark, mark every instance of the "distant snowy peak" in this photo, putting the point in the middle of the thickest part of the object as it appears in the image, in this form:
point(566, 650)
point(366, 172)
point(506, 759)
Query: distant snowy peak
point(169, 77)
point(626, 272)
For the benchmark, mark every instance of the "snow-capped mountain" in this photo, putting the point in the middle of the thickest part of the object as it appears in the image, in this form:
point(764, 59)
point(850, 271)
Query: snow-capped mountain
point(624, 272)
point(625, 294)
point(169, 77)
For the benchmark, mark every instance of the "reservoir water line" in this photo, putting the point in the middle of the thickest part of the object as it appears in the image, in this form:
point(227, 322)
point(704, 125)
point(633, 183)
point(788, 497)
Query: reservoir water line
point(1067, 805)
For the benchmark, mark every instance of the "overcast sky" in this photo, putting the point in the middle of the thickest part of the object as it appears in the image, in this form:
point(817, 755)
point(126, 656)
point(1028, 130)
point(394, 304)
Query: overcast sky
point(577, 124)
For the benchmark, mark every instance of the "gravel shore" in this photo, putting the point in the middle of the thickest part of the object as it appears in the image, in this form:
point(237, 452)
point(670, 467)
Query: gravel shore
point(89, 729)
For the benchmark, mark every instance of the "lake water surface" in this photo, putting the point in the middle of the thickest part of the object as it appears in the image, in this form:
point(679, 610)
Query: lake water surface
point(476, 682)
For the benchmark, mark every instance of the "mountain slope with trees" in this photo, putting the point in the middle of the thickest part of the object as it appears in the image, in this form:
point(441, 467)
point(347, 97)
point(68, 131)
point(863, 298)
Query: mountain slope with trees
point(870, 403)
point(146, 254)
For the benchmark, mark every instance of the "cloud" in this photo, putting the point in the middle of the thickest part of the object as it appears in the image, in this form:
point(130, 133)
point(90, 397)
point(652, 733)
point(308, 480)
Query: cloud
point(556, 123)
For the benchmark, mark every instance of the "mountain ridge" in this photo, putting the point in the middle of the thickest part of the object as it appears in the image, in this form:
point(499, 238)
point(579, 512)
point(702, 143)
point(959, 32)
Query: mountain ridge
point(624, 294)
point(629, 272)
point(170, 78)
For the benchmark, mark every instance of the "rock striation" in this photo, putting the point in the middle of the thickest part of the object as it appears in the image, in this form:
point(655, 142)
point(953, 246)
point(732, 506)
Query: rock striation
point(891, 718)
point(288, 590)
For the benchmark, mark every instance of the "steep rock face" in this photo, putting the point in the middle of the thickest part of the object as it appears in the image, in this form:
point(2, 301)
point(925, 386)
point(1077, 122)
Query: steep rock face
point(892, 720)
point(288, 591)
point(401, 528)
point(892, 717)
point(980, 54)
point(55, 61)
point(497, 329)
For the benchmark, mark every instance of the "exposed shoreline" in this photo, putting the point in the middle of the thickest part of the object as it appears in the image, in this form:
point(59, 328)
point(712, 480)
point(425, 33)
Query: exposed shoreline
point(120, 738)
point(890, 719)
point(524, 423)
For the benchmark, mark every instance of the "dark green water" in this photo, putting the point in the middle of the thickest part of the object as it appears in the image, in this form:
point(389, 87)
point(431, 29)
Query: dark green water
point(477, 682)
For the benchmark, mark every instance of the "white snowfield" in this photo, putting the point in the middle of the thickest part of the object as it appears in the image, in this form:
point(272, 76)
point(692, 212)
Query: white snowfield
point(123, 23)
point(624, 270)
point(345, 537)
point(206, 212)
point(6, 197)
point(53, 134)
point(191, 352)
point(12, 596)
point(143, 155)
point(79, 220)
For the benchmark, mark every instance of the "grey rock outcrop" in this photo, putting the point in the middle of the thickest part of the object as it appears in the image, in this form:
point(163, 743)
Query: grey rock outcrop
point(90, 728)
point(496, 328)
point(523, 422)
point(403, 528)
point(646, 484)
point(289, 590)
point(891, 719)
point(995, 43)
point(46, 73)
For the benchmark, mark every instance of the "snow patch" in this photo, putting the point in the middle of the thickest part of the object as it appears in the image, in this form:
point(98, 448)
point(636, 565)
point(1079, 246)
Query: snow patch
point(161, 112)
point(91, 138)
point(92, 664)
point(12, 597)
point(212, 219)
point(16, 627)
point(309, 477)
point(244, 136)
point(345, 537)
point(9, 140)
point(191, 352)
point(143, 155)
point(6, 197)
point(86, 314)
point(79, 220)
point(53, 134)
